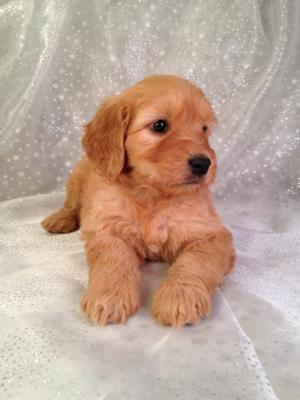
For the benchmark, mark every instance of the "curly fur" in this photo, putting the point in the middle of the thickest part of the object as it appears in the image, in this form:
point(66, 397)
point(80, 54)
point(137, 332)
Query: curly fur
point(134, 197)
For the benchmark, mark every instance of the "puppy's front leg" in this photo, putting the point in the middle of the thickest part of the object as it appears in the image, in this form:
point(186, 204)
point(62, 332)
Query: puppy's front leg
point(199, 269)
point(113, 291)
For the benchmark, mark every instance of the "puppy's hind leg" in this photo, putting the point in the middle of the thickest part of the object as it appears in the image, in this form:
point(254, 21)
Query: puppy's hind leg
point(63, 221)
point(67, 218)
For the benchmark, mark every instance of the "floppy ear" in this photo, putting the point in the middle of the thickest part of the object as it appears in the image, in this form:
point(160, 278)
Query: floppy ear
point(104, 137)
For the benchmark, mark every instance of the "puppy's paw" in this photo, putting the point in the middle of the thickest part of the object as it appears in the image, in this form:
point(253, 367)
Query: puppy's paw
point(177, 304)
point(64, 221)
point(105, 304)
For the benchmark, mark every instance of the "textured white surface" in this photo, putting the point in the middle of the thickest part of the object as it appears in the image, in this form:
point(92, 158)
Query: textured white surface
point(58, 60)
point(247, 349)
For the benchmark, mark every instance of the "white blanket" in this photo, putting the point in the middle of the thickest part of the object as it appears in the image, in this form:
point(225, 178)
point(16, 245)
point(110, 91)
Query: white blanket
point(247, 349)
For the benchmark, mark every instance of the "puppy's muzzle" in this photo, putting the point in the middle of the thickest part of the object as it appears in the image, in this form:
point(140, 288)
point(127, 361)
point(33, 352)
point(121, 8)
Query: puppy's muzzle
point(199, 164)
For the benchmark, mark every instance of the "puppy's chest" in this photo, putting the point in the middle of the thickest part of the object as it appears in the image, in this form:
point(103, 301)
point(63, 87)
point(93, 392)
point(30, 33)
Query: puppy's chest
point(172, 226)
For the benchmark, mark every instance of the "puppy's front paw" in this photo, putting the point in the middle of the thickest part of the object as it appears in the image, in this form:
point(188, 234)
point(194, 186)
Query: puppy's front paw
point(106, 303)
point(177, 304)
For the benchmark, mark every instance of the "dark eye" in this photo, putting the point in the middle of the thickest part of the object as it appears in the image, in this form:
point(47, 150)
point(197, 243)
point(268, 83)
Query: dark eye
point(160, 126)
point(204, 128)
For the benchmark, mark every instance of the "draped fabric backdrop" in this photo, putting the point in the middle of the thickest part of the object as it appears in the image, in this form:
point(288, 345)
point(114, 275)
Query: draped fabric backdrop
point(58, 60)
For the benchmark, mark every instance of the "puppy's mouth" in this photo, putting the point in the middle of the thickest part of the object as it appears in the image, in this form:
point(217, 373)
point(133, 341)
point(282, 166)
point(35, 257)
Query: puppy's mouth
point(193, 181)
point(189, 182)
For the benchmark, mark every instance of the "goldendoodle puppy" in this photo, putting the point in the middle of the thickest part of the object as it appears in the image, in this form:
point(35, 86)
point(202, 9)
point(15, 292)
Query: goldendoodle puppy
point(142, 192)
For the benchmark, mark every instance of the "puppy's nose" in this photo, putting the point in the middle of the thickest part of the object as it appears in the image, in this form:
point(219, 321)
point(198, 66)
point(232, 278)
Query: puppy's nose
point(199, 164)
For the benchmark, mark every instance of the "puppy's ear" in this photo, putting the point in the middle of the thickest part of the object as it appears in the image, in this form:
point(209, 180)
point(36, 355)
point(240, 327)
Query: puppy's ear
point(104, 137)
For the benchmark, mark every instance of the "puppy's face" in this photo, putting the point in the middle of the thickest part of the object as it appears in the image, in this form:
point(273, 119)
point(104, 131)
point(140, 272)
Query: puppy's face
point(157, 131)
point(167, 140)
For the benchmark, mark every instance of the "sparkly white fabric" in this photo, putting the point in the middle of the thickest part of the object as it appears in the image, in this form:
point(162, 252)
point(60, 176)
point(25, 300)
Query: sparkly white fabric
point(58, 59)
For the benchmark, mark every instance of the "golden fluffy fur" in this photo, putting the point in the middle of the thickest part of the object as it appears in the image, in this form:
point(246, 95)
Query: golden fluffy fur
point(135, 198)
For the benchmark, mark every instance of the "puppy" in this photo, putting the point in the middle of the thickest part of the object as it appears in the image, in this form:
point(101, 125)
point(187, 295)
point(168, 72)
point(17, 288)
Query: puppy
point(142, 192)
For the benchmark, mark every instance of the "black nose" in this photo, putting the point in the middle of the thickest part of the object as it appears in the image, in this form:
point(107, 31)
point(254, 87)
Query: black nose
point(199, 164)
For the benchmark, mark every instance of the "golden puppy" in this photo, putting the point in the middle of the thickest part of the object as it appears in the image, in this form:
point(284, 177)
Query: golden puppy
point(142, 192)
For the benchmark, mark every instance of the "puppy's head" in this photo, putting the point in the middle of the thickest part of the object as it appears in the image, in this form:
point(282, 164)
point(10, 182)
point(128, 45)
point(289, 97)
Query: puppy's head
point(156, 131)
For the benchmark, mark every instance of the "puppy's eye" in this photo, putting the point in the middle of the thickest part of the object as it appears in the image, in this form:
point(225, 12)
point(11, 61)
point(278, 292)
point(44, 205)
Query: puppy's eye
point(204, 128)
point(160, 126)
